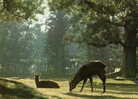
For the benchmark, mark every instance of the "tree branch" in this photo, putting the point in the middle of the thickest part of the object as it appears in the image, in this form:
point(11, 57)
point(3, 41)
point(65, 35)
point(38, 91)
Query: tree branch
point(122, 43)
point(113, 23)
point(97, 45)
point(100, 44)
point(98, 9)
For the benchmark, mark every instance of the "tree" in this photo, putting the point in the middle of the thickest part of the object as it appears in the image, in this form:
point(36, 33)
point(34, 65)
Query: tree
point(55, 51)
point(107, 22)
point(15, 49)
point(38, 44)
point(20, 9)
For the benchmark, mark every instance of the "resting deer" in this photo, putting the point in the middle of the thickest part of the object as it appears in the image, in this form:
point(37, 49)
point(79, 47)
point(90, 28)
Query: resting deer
point(45, 84)
point(87, 71)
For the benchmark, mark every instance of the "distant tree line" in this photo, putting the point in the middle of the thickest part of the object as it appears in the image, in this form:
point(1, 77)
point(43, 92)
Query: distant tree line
point(26, 49)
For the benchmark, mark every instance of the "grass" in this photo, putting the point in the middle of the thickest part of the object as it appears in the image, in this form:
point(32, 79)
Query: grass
point(124, 89)
point(10, 89)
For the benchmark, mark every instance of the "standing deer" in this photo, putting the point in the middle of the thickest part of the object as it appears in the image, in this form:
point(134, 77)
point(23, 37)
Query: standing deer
point(87, 71)
point(45, 84)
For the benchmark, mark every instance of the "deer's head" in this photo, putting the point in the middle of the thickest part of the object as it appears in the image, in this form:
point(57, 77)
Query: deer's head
point(72, 85)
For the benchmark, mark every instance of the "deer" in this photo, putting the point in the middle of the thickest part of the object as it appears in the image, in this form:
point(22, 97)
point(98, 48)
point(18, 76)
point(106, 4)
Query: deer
point(87, 71)
point(45, 84)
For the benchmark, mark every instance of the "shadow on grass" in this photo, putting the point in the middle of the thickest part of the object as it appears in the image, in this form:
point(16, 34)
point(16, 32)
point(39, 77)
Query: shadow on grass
point(112, 90)
point(92, 97)
point(13, 88)
point(118, 88)
point(124, 88)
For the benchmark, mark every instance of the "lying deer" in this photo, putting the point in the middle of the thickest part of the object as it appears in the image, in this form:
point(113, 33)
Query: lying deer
point(45, 84)
point(87, 71)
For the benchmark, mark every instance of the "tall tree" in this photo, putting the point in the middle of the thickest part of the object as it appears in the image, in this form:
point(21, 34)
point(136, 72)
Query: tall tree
point(107, 22)
point(55, 44)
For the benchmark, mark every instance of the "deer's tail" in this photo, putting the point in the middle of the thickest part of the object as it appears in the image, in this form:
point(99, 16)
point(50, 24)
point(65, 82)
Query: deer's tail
point(113, 74)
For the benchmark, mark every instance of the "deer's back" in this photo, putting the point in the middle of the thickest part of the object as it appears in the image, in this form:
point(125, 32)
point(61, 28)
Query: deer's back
point(48, 84)
point(92, 68)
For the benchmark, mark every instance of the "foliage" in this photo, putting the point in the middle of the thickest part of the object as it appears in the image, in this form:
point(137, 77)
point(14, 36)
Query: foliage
point(104, 19)
point(55, 49)
point(20, 9)
point(105, 22)
point(14, 49)
point(38, 56)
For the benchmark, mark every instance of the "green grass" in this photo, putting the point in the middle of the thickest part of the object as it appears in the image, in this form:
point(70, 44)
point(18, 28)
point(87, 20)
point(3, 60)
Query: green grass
point(10, 89)
point(26, 89)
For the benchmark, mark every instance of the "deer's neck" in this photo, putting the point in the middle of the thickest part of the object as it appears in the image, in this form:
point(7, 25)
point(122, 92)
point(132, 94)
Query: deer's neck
point(37, 81)
point(76, 80)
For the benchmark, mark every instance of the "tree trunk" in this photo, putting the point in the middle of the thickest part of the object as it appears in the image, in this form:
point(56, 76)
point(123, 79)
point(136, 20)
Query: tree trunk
point(130, 52)
point(130, 62)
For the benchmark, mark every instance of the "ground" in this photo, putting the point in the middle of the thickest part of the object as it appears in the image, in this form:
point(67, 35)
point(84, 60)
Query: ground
point(116, 89)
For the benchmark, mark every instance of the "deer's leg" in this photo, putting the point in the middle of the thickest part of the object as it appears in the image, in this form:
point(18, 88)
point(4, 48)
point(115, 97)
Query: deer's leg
point(83, 84)
point(91, 81)
point(103, 78)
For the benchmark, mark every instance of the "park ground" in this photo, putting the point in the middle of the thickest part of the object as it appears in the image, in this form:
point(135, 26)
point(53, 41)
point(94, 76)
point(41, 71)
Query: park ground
point(25, 89)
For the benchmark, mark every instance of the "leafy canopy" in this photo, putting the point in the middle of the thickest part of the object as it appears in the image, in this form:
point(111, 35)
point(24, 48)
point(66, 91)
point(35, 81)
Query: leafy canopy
point(105, 19)
point(20, 9)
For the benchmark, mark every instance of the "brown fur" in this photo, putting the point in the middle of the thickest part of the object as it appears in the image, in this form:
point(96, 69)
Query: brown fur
point(87, 71)
point(45, 84)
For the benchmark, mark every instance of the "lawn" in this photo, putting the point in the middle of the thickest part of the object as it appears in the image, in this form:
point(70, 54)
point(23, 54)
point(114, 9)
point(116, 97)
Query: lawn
point(124, 89)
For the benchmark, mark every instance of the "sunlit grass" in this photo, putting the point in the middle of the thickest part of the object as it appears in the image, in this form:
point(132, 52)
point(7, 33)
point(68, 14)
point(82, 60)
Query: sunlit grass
point(11, 89)
point(124, 89)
